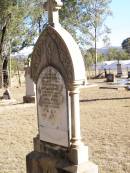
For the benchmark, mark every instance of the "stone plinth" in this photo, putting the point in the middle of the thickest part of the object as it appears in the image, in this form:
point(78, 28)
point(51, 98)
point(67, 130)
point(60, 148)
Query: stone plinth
point(128, 74)
point(49, 158)
point(30, 88)
point(29, 99)
point(119, 70)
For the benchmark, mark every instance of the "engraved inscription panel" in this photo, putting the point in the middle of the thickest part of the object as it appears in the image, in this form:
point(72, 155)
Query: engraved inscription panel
point(52, 107)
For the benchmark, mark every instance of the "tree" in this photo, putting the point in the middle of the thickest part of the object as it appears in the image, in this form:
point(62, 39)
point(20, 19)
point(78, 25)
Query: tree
point(89, 57)
point(4, 20)
point(20, 23)
point(24, 24)
point(117, 54)
point(126, 45)
point(71, 18)
point(85, 20)
point(5, 17)
point(98, 11)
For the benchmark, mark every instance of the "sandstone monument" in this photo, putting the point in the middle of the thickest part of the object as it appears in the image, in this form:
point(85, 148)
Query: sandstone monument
point(57, 68)
point(30, 87)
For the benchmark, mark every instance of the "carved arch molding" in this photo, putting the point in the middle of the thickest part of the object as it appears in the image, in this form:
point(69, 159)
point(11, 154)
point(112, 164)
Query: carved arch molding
point(51, 50)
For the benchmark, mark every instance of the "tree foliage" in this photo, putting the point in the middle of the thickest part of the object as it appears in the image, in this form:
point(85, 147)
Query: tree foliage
point(85, 17)
point(89, 57)
point(126, 45)
point(20, 22)
point(117, 54)
point(25, 20)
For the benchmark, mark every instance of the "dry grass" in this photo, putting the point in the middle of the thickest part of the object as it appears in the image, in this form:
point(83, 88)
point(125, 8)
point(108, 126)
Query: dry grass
point(105, 124)
point(105, 127)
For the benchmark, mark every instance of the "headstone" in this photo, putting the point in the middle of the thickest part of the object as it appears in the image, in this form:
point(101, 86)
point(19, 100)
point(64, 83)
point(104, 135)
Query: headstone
point(6, 95)
point(58, 70)
point(119, 70)
point(128, 74)
point(110, 77)
point(30, 87)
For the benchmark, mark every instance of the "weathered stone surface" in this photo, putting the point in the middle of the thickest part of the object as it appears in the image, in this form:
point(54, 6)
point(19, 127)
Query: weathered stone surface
point(30, 88)
point(52, 107)
point(38, 162)
point(87, 167)
point(29, 99)
point(78, 155)
point(7, 95)
point(56, 47)
point(119, 70)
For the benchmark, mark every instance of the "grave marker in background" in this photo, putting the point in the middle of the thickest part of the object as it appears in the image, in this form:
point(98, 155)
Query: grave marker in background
point(58, 70)
point(119, 70)
point(30, 87)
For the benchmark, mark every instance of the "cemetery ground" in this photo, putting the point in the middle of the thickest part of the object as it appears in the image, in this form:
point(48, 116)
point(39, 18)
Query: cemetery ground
point(105, 124)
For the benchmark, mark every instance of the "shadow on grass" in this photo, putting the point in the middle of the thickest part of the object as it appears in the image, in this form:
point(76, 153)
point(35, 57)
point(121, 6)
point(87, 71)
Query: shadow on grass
point(102, 99)
point(9, 103)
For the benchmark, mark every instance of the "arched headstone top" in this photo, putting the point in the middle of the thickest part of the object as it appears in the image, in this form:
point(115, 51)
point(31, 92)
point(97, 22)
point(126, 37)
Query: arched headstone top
point(56, 47)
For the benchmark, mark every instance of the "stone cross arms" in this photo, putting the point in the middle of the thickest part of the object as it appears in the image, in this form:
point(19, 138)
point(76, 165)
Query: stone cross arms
point(53, 6)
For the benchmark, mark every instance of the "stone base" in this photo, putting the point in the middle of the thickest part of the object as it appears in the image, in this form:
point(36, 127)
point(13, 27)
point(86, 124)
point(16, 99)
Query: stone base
point(78, 155)
point(29, 99)
point(38, 162)
point(87, 167)
point(119, 75)
point(6, 95)
point(50, 158)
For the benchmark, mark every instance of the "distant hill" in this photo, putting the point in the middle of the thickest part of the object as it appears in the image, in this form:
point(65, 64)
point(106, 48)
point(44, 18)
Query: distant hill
point(104, 50)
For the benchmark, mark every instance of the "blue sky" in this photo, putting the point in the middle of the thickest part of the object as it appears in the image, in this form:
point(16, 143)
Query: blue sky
point(119, 23)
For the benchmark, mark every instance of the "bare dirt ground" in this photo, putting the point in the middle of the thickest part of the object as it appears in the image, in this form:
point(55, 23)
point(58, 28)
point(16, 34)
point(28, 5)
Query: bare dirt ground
point(105, 123)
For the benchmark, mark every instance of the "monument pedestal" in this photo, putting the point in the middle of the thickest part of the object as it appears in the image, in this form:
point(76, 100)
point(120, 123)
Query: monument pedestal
point(49, 158)
point(42, 163)
point(87, 167)
point(78, 155)
point(29, 99)
point(30, 88)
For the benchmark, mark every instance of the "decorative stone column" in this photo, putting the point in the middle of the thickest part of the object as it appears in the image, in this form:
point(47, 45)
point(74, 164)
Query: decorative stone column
point(53, 11)
point(78, 152)
point(75, 116)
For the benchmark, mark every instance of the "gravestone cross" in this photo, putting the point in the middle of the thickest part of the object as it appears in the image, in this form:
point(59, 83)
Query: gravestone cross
point(53, 6)
point(58, 70)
